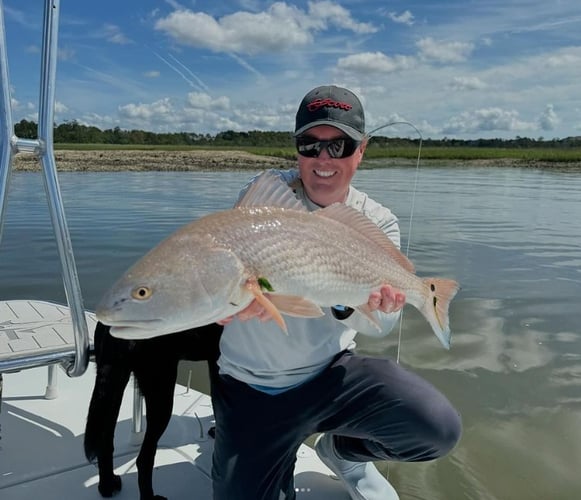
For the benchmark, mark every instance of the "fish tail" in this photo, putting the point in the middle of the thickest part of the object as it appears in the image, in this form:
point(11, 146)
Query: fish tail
point(440, 293)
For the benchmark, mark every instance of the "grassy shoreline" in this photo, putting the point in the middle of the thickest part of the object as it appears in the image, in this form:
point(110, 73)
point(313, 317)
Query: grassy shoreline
point(101, 157)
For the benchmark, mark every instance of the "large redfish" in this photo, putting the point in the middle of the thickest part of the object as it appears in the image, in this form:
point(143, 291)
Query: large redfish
point(215, 266)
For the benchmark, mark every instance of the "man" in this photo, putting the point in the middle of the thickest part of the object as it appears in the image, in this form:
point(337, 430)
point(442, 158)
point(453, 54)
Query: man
point(273, 391)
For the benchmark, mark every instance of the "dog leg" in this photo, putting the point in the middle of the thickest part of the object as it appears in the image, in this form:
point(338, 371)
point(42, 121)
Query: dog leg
point(111, 379)
point(157, 385)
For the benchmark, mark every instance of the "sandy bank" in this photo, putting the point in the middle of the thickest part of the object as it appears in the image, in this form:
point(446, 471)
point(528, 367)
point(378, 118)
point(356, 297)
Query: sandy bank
point(135, 160)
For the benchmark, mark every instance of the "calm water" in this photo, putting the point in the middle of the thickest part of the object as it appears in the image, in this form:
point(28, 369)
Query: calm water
point(512, 237)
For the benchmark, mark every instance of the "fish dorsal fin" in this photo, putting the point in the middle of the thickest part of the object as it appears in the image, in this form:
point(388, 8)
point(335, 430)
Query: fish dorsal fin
point(270, 190)
point(360, 223)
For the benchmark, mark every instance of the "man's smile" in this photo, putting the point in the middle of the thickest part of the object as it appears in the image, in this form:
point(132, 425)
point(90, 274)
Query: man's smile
point(325, 173)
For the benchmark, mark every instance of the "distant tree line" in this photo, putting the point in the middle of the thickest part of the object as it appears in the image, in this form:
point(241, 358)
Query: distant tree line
point(72, 132)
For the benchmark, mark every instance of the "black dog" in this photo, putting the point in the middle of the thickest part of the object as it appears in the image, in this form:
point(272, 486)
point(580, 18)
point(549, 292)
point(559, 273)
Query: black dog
point(154, 363)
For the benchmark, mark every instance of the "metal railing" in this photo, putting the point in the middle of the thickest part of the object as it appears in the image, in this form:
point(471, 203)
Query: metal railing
point(43, 148)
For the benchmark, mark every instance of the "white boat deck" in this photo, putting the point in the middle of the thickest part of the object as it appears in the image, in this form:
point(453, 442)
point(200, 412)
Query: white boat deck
point(41, 445)
point(32, 327)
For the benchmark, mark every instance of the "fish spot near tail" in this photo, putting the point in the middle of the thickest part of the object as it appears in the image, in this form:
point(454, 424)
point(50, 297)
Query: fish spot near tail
point(436, 309)
point(442, 291)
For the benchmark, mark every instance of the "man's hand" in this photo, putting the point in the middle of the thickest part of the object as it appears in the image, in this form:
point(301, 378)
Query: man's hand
point(387, 299)
point(253, 310)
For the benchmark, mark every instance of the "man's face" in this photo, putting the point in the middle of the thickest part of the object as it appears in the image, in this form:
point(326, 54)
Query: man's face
point(326, 179)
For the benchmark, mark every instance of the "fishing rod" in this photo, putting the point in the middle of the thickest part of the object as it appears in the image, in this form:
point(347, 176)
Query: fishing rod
point(412, 209)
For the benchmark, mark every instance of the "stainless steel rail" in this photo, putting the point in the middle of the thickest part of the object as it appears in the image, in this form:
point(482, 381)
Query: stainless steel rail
point(43, 148)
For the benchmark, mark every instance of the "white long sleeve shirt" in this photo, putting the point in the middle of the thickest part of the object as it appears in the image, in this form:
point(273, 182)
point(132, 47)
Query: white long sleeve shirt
point(261, 355)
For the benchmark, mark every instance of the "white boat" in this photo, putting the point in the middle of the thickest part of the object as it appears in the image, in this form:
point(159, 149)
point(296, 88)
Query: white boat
point(47, 374)
point(43, 420)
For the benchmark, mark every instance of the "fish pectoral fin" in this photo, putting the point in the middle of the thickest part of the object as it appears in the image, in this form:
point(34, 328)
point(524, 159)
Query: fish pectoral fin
point(294, 305)
point(368, 314)
point(254, 288)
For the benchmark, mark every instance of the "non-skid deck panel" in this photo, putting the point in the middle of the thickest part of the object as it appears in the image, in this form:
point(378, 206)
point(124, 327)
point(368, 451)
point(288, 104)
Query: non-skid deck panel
point(32, 327)
point(174, 481)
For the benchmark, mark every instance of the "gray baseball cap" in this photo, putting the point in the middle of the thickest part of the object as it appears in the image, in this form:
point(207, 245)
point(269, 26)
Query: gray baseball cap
point(331, 105)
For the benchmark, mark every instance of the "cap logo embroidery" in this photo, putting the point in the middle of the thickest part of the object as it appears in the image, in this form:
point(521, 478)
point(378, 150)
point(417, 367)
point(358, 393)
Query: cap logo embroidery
point(327, 103)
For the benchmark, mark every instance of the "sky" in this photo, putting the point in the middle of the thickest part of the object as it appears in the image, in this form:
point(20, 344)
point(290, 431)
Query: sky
point(463, 69)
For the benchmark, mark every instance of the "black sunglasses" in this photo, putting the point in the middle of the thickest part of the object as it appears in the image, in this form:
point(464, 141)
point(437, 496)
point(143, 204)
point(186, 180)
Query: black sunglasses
point(336, 148)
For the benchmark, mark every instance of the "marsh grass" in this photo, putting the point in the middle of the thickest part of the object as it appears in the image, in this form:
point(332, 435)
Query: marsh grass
point(468, 153)
point(546, 155)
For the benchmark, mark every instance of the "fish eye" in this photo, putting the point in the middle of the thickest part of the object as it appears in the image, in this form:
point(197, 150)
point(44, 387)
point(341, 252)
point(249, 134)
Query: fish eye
point(141, 293)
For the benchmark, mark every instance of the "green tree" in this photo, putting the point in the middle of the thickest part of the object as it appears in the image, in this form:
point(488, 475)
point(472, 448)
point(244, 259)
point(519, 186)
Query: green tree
point(26, 129)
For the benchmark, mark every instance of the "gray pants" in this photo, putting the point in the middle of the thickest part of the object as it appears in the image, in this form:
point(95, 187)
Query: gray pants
point(377, 409)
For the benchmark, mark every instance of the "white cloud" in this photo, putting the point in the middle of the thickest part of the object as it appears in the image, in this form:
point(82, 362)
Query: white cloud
point(199, 112)
point(101, 121)
point(405, 17)
point(241, 32)
point(199, 100)
point(393, 124)
point(444, 52)
point(486, 120)
point(251, 5)
point(147, 111)
point(258, 119)
point(564, 58)
point(548, 119)
point(276, 29)
point(59, 107)
point(333, 14)
point(467, 83)
point(112, 33)
point(373, 63)
point(151, 74)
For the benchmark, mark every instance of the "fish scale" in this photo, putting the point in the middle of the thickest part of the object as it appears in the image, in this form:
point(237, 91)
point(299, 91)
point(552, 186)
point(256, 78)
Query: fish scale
point(303, 249)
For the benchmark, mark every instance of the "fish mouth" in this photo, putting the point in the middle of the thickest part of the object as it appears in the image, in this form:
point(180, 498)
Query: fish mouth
point(135, 330)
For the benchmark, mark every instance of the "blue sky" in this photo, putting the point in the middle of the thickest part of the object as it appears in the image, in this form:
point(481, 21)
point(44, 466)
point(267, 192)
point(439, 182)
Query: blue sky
point(457, 68)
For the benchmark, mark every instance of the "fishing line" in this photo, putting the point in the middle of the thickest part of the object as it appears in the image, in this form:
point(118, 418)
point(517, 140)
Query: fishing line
point(412, 209)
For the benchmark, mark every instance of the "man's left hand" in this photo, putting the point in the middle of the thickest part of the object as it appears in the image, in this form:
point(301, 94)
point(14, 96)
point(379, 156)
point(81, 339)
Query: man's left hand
point(387, 299)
